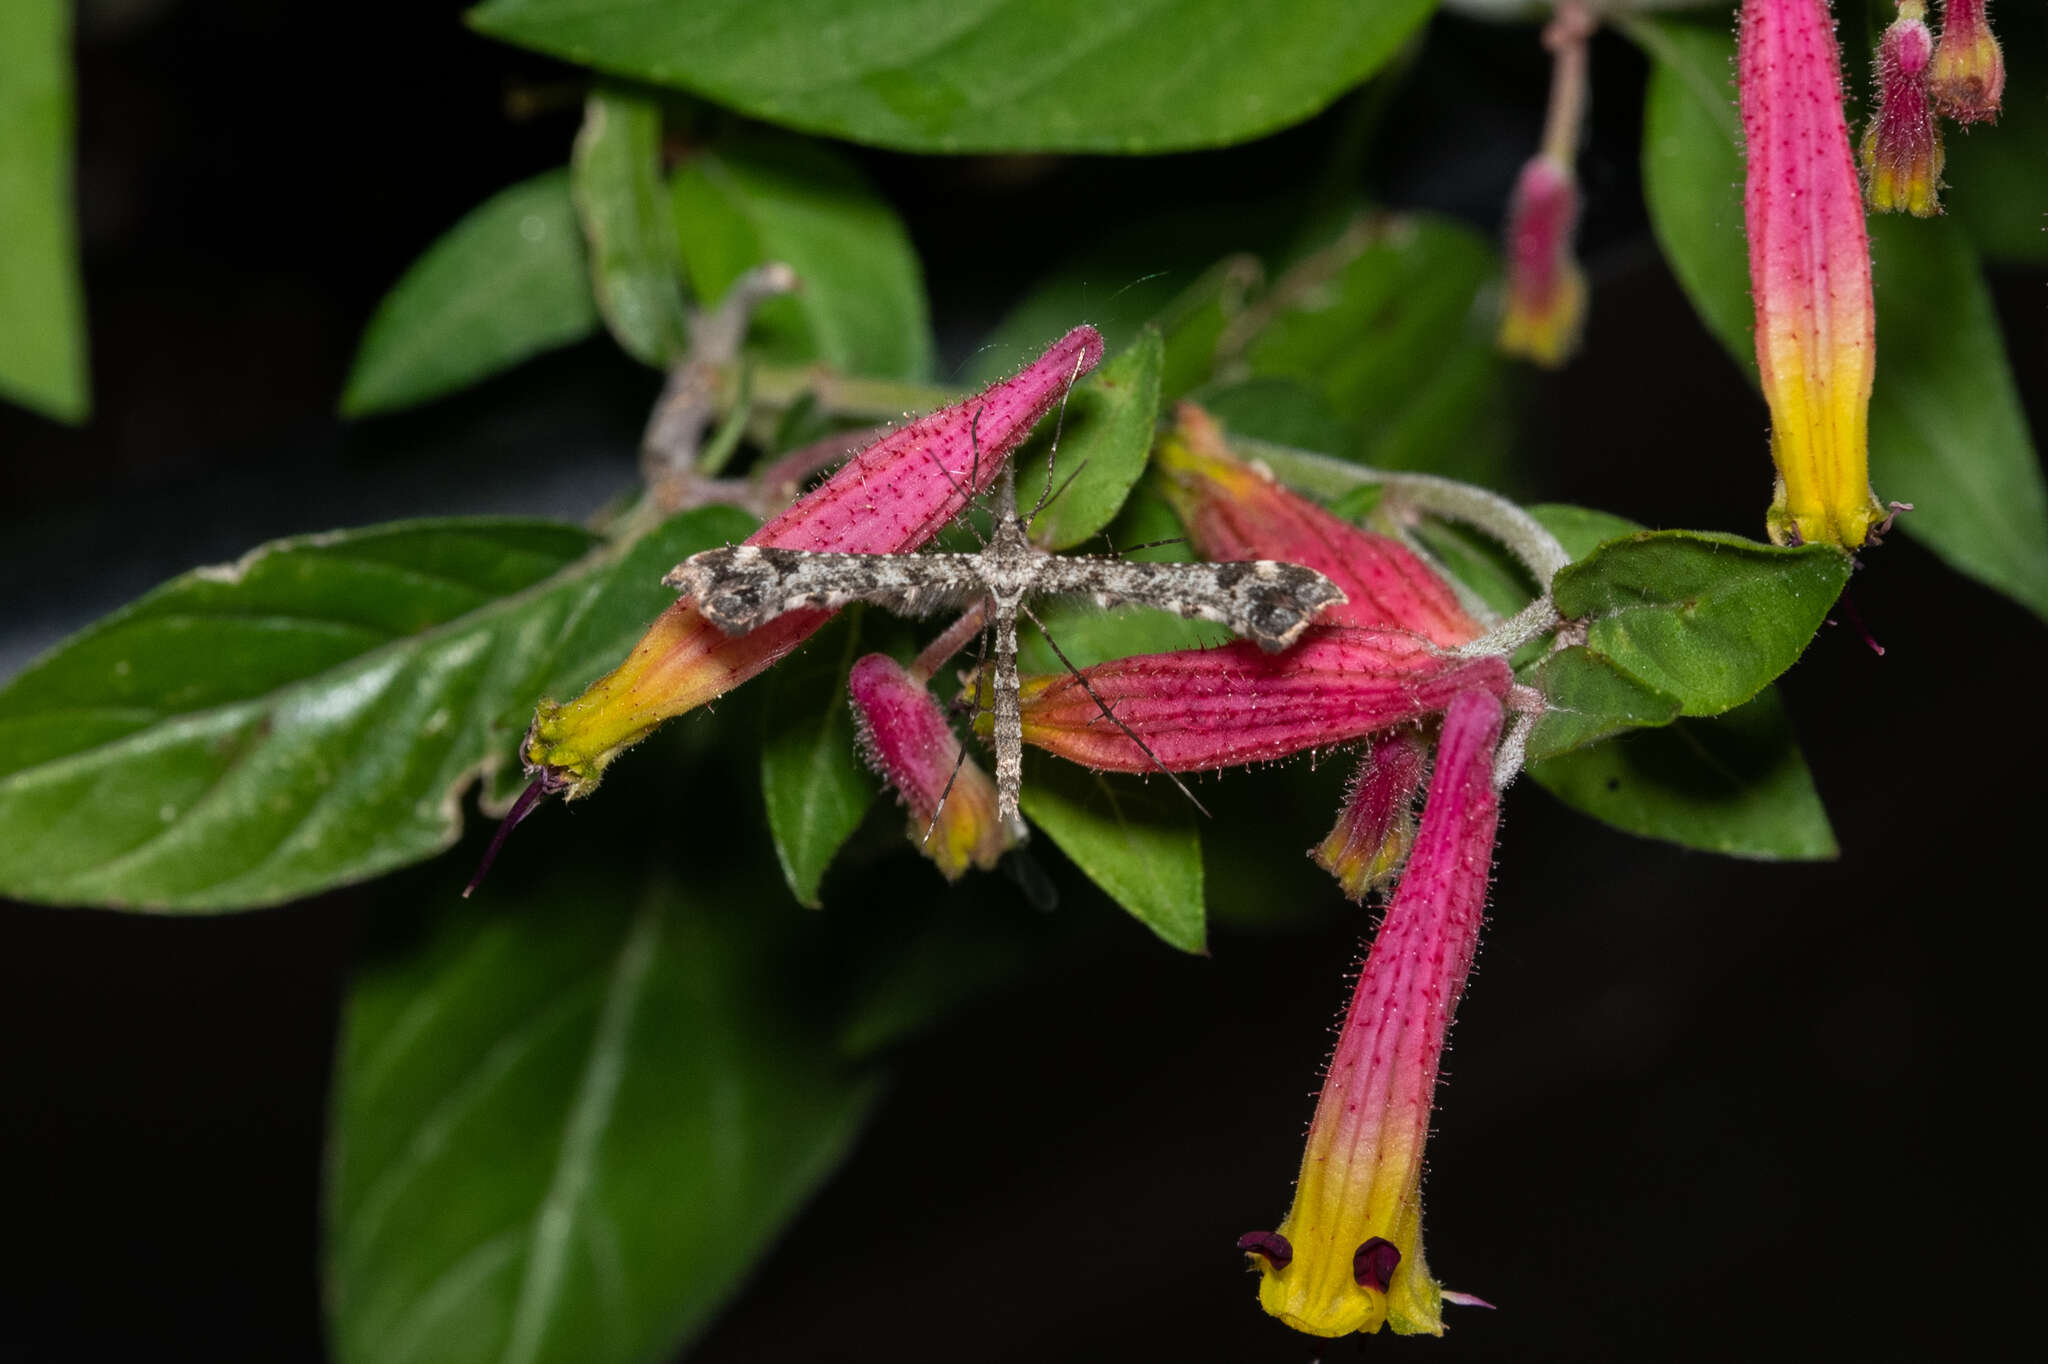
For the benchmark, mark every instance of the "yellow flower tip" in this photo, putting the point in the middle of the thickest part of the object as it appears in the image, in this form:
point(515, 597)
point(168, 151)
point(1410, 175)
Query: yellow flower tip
point(1324, 1292)
point(1846, 524)
point(1548, 334)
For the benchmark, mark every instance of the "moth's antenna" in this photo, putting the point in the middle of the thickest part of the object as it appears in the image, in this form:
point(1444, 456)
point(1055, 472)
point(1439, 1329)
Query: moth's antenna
point(974, 475)
point(1111, 715)
point(521, 808)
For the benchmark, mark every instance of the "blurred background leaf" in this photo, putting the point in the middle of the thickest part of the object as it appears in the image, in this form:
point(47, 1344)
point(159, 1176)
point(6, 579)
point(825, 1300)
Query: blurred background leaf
point(759, 197)
point(984, 75)
point(42, 306)
point(507, 282)
point(615, 177)
point(313, 714)
point(1947, 432)
point(567, 1123)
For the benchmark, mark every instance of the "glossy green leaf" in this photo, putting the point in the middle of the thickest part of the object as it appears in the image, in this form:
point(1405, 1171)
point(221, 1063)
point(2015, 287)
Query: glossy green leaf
point(985, 75)
point(812, 778)
point(1392, 335)
point(1138, 843)
point(759, 198)
point(1105, 436)
point(507, 282)
point(635, 272)
point(310, 715)
point(1581, 530)
point(1709, 619)
point(1588, 698)
point(42, 308)
point(565, 1127)
point(1284, 411)
point(1735, 784)
point(1947, 432)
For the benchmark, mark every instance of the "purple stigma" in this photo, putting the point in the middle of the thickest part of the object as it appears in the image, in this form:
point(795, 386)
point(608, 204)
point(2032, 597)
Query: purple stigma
point(521, 808)
point(1375, 1263)
point(1270, 1244)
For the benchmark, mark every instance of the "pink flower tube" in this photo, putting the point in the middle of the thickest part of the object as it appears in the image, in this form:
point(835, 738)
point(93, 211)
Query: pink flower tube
point(904, 735)
point(1349, 1255)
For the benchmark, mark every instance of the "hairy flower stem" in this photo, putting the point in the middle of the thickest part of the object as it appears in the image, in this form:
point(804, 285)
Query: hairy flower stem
point(1567, 36)
point(935, 655)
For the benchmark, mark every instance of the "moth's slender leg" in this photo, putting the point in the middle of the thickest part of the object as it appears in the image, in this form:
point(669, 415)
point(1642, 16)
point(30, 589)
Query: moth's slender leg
point(1009, 723)
point(1045, 502)
point(966, 497)
point(1107, 714)
point(946, 791)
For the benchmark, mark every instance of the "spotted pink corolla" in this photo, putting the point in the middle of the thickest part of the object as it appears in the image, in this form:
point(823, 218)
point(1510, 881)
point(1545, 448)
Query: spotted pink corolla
point(891, 497)
point(1809, 272)
point(1349, 1255)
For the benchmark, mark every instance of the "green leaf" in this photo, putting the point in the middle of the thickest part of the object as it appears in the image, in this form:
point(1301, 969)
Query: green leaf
point(812, 779)
point(1139, 845)
point(311, 715)
point(1947, 431)
point(1386, 326)
point(761, 198)
point(615, 175)
point(564, 1129)
point(985, 75)
point(1735, 784)
point(1105, 436)
point(1581, 530)
point(1283, 411)
point(507, 282)
point(1709, 619)
point(42, 307)
point(1588, 698)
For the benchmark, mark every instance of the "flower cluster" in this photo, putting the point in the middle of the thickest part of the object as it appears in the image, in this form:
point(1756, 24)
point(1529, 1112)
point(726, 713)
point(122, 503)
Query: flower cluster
point(1920, 79)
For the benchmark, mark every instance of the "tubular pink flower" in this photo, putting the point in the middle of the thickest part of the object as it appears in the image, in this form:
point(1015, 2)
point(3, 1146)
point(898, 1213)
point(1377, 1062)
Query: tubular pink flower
point(1546, 290)
point(1967, 76)
point(1902, 146)
point(904, 736)
point(889, 498)
point(1377, 825)
point(1349, 1256)
point(1199, 709)
point(1235, 511)
point(1809, 271)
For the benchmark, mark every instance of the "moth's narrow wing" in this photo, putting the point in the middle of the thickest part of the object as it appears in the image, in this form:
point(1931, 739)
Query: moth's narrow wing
point(1262, 600)
point(740, 587)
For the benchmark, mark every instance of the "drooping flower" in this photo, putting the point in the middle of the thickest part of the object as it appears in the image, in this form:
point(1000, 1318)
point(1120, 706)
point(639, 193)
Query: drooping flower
point(904, 735)
point(1546, 289)
point(1902, 154)
point(1809, 271)
point(889, 498)
point(1200, 709)
point(1377, 825)
point(1234, 510)
point(1349, 1255)
point(1967, 76)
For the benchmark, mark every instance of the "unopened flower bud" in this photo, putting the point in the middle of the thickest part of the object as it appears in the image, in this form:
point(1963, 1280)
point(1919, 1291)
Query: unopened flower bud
point(1902, 146)
point(1966, 78)
point(1546, 290)
point(904, 735)
point(1233, 510)
point(1373, 834)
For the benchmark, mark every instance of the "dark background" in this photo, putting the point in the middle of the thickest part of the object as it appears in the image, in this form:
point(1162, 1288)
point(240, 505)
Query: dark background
point(1696, 1108)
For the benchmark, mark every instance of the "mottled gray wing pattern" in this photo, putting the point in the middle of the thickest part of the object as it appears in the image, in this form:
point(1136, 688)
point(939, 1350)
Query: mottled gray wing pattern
point(741, 587)
point(1262, 600)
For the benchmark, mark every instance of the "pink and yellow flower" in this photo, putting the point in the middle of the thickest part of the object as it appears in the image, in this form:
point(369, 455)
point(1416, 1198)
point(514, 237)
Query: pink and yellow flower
point(1902, 154)
point(904, 735)
point(1377, 825)
point(1809, 270)
point(1967, 76)
point(891, 497)
point(1349, 1255)
point(1546, 289)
